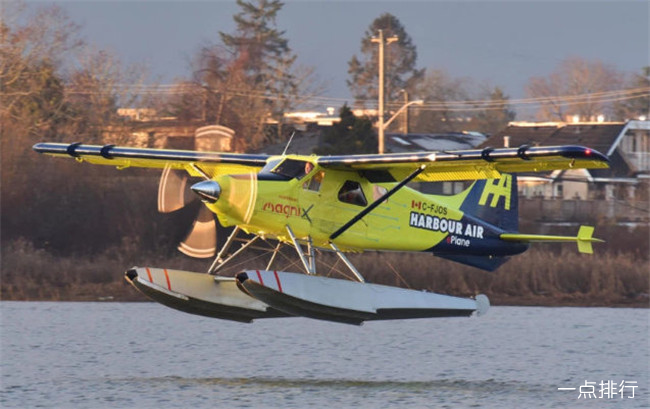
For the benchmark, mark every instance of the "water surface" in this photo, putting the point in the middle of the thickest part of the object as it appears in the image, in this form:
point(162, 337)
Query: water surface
point(144, 355)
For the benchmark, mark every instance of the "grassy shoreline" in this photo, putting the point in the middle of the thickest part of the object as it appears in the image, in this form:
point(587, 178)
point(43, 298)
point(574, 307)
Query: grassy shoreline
point(540, 277)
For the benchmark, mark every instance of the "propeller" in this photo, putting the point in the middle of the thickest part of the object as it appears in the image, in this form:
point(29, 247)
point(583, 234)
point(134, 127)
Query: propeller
point(174, 193)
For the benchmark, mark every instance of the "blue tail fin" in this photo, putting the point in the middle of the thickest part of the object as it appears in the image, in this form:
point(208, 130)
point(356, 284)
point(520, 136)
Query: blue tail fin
point(495, 202)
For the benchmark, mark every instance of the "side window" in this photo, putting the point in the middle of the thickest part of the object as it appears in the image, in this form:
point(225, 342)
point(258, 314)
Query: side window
point(351, 193)
point(378, 191)
point(314, 183)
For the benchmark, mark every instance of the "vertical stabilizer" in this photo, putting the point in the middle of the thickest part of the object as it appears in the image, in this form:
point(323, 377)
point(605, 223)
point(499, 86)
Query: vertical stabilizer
point(494, 201)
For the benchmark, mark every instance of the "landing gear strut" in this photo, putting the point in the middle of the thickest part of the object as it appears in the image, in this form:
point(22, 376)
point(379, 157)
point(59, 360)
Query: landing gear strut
point(307, 259)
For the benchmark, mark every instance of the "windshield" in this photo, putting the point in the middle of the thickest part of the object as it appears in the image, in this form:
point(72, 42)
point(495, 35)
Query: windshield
point(292, 168)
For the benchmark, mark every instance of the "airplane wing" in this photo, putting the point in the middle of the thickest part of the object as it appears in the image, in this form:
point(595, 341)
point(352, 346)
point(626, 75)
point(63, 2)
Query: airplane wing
point(439, 166)
point(485, 163)
point(210, 163)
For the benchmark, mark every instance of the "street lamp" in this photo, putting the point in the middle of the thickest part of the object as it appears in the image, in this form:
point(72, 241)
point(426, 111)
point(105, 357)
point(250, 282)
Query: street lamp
point(405, 121)
point(399, 111)
point(383, 126)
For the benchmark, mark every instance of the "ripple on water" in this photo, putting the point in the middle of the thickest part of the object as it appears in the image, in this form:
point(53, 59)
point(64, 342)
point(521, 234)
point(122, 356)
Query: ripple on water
point(105, 355)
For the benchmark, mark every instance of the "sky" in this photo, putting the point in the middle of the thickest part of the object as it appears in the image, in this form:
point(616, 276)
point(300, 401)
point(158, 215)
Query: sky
point(502, 43)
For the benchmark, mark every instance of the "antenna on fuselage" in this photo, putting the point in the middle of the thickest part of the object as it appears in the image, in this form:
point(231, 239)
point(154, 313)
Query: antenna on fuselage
point(288, 143)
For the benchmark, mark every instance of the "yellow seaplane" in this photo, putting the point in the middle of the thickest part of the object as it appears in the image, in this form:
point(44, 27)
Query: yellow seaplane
point(351, 203)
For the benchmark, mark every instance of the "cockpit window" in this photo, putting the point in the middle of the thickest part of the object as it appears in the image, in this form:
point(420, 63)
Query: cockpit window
point(270, 165)
point(352, 193)
point(292, 168)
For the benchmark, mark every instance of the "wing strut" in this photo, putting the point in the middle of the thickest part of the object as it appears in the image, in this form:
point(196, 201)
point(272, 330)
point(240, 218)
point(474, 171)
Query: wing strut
point(377, 202)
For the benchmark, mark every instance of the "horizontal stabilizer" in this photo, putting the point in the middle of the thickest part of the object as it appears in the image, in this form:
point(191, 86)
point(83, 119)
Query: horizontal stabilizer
point(583, 239)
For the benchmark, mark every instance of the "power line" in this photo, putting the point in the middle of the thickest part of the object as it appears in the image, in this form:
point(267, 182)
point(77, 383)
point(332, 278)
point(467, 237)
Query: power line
point(453, 106)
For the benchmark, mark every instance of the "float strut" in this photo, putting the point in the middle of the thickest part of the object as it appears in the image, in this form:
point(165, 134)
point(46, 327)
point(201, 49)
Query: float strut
point(218, 261)
point(275, 253)
point(348, 263)
point(233, 255)
point(305, 263)
point(311, 255)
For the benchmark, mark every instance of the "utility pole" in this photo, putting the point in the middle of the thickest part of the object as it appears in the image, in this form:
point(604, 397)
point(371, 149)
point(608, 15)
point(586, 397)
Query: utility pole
point(380, 109)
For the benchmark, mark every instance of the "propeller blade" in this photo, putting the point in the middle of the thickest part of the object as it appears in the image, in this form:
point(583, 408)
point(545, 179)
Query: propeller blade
point(173, 192)
point(201, 242)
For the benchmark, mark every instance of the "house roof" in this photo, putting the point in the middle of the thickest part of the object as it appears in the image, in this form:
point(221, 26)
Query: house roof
point(522, 135)
point(449, 141)
point(599, 136)
point(596, 136)
point(305, 143)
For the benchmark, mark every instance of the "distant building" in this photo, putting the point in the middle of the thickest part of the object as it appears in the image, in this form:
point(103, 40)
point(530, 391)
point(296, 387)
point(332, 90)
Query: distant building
point(302, 120)
point(214, 138)
point(620, 192)
point(143, 127)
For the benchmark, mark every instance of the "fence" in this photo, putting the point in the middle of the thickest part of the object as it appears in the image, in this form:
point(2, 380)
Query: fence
point(550, 210)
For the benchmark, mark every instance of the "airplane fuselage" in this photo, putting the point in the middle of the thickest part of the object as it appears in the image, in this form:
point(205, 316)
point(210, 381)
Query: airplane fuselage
point(318, 203)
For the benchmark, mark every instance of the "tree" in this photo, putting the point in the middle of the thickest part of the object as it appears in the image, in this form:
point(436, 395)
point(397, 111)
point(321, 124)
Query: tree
point(247, 79)
point(258, 45)
point(439, 89)
point(224, 94)
point(32, 99)
point(43, 97)
point(349, 136)
point(261, 65)
point(494, 114)
point(400, 62)
point(639, 105)
point(574, 76)
point(186, 101)
point(33, 45)
point(94, 91)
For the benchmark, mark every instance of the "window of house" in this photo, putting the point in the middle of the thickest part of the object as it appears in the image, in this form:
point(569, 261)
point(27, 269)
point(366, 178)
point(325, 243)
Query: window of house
point(352, 193)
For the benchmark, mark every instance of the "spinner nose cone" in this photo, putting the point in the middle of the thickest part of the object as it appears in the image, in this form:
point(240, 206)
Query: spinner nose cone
point(208, 190)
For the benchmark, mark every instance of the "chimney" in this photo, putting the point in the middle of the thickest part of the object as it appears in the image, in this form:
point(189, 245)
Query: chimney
point(506, 141)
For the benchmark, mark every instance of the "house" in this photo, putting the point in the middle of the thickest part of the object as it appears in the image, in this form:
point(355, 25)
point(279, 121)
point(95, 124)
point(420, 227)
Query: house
point(145, 128)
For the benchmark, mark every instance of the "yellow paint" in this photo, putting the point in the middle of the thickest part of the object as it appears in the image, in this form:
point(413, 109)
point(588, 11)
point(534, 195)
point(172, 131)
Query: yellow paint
point(313, 207)
point(498, 189)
